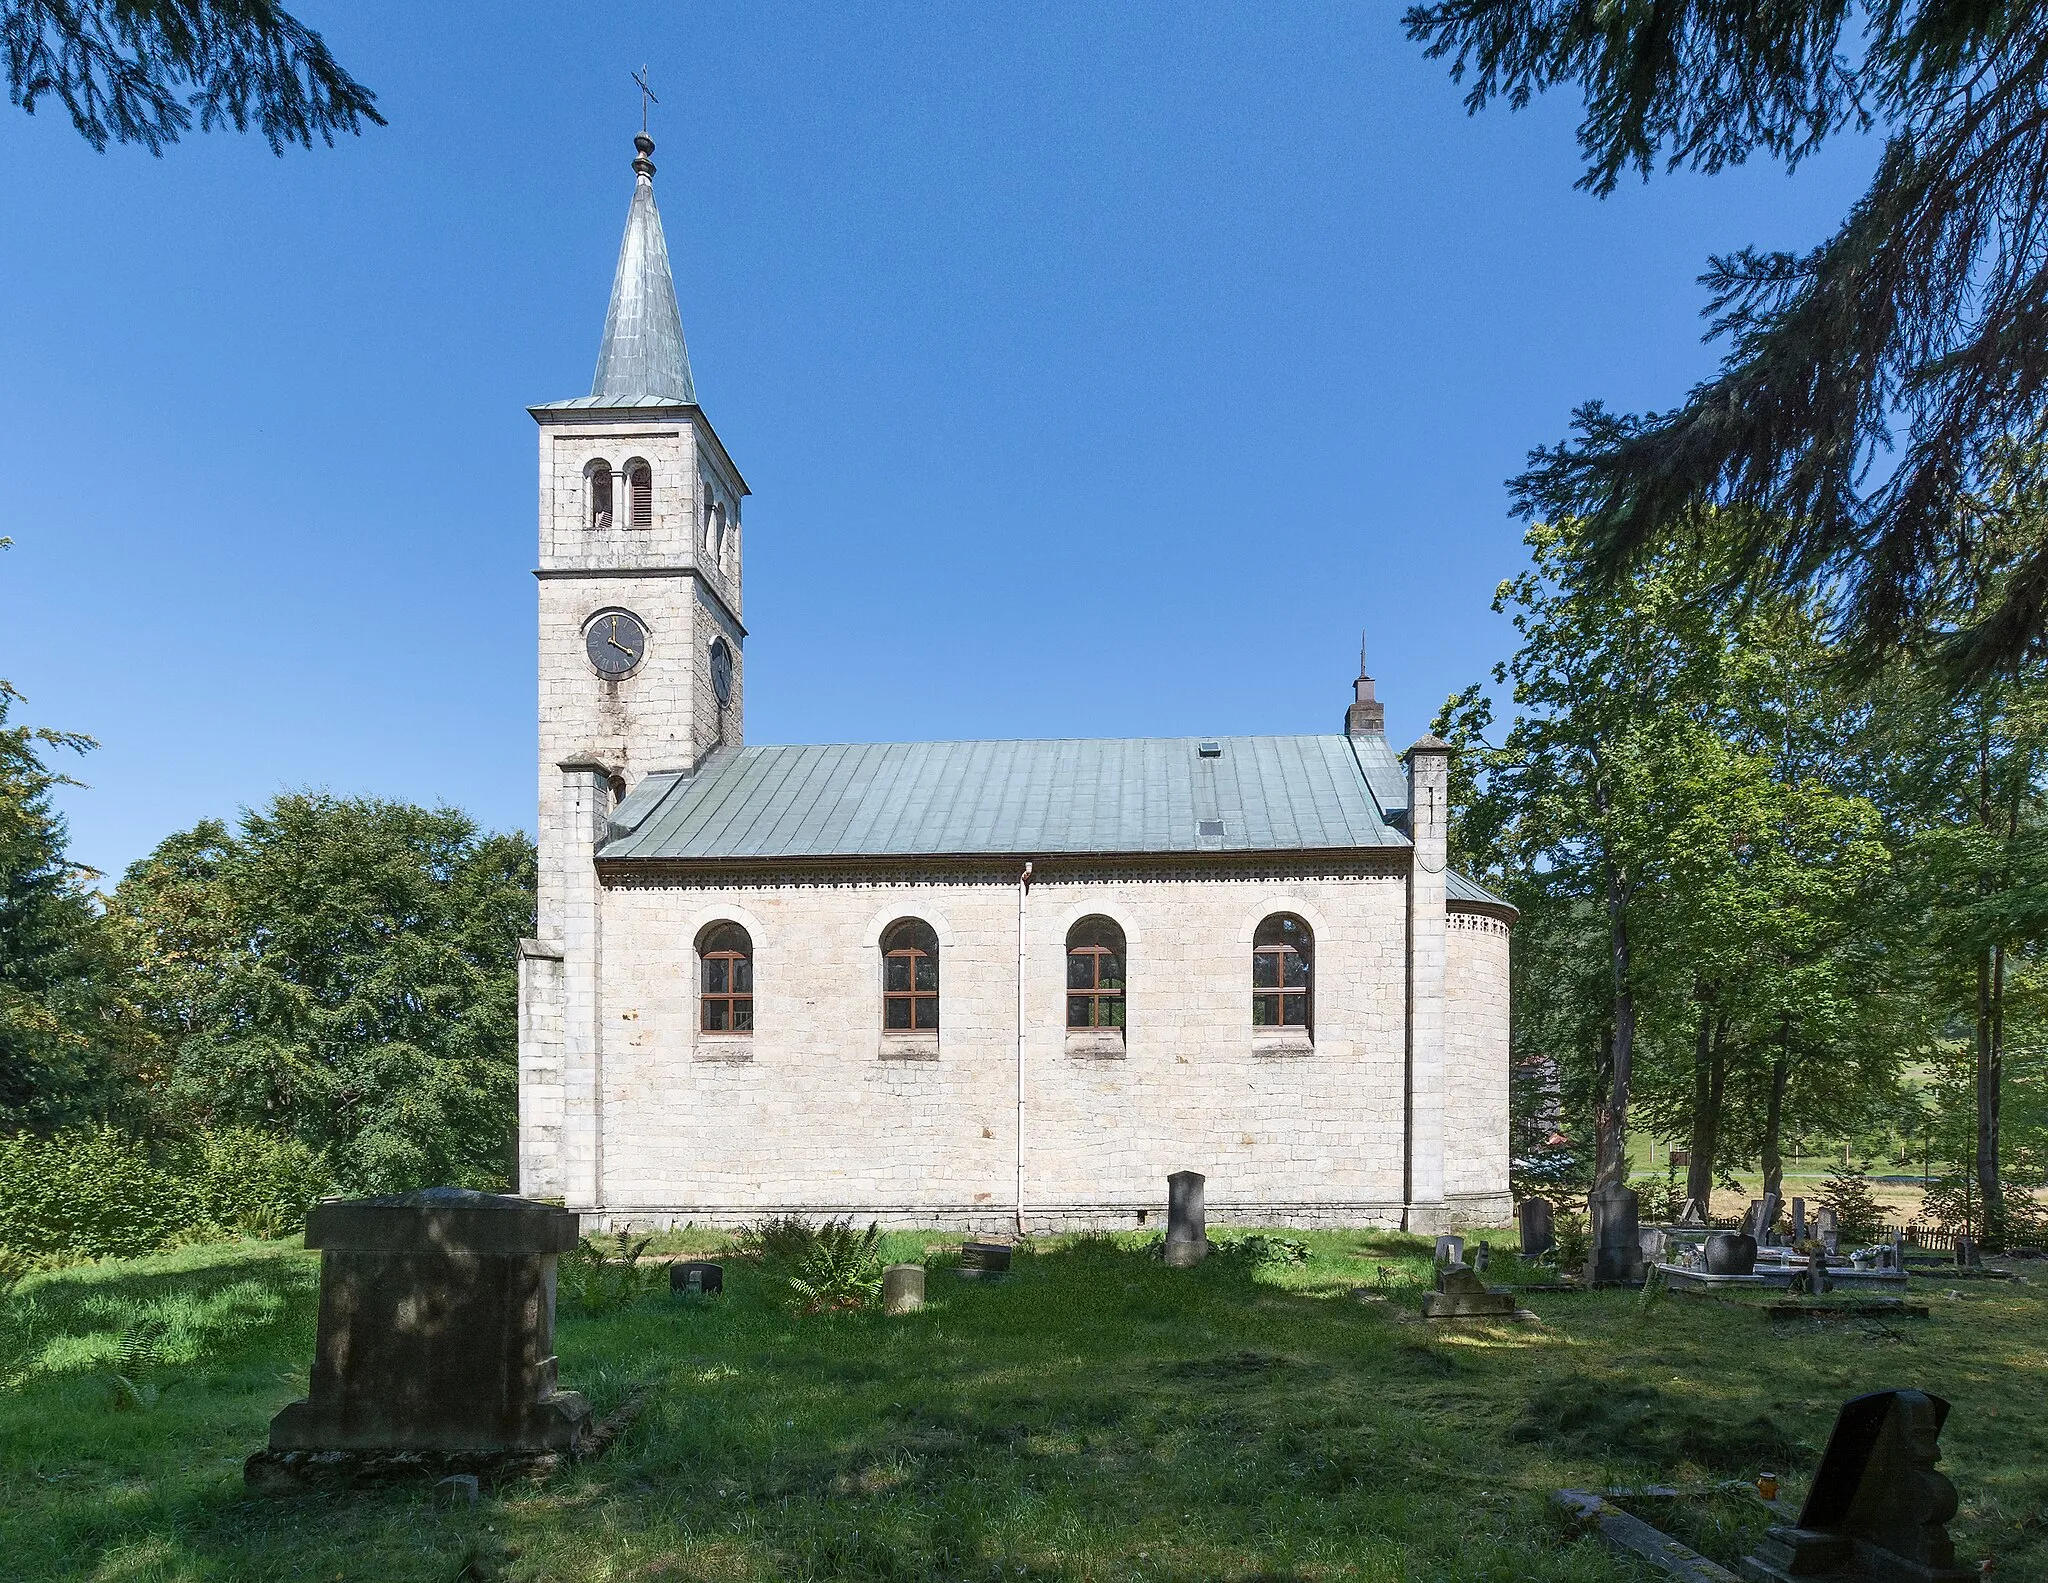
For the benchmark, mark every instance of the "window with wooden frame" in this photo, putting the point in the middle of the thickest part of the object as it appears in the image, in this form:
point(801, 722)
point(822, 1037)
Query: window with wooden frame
point(597, 491)
point(1095, 974)
point(1282, 994)
point(910, 978)
point(725, 1001)
point(640, 493)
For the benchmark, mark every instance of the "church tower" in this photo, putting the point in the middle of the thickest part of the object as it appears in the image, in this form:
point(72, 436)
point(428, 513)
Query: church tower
point(641, 668)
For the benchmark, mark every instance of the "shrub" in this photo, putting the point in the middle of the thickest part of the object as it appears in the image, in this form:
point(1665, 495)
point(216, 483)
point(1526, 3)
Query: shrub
point(602, 1278)
point(256, 1182)
point(1261, 1248)
point(827, 1268)
point(89, 1193)
point(1573, 1240)
point(1857, 1215)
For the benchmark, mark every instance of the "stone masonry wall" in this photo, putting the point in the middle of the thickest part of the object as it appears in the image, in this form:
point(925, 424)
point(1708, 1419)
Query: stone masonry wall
point(1476, 1052)
point(819, 1111)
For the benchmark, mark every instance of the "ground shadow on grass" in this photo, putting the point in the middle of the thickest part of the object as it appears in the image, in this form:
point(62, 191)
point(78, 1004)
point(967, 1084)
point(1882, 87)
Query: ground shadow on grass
point(1614, 1417)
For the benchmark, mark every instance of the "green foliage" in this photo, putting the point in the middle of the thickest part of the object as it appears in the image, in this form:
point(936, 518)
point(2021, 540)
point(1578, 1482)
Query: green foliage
point(1859, 439)
point(256, 1182)
point(340, 971)
point(1858, 1217)
point(89, 1193)
point(135, 71)
point(66, 1036)
point(1259, 1247)
point(601, 1276)
point(14, 1264)
point(1572, 1236)
point(826, 1267)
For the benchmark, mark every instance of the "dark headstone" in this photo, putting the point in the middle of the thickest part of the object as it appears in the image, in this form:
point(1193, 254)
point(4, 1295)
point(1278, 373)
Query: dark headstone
point(697, 1277)
point(1827, 1226)
point(1461, 1294)
point(1449, 1250)
point(436, 1328)
point(903, 1288)
point(1187, 1221)
point(979, 1259)
point(1617, 1235)
point(1798, 1221)
point(1537, 1219)
point(1877, 1509)
point(1481, 1257)
point(1731, 1253)
point(1966, 1252)
point(1816, 1272)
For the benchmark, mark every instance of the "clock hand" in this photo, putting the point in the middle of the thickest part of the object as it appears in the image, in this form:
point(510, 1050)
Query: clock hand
point(615, 643)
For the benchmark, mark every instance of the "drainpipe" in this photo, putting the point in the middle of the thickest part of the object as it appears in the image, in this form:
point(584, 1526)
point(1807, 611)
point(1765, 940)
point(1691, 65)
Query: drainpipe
point(1023, 888)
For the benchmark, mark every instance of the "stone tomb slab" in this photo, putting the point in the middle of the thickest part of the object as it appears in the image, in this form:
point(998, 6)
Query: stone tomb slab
point(436, 1329)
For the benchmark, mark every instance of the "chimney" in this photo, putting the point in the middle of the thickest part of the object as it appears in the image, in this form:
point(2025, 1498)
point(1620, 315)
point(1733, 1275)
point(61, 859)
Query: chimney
point(1365, 717)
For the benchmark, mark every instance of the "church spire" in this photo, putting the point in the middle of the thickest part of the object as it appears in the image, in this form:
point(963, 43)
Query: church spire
point(643, 355)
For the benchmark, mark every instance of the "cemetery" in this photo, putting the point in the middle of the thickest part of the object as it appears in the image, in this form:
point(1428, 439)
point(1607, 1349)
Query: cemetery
point(445, 1384)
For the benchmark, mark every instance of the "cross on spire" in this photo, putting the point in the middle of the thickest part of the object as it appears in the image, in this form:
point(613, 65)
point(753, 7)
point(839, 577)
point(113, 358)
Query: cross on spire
point(646, 95)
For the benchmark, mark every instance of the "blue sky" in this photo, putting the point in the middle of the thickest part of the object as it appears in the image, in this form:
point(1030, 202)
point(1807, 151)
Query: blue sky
point(1098, 371)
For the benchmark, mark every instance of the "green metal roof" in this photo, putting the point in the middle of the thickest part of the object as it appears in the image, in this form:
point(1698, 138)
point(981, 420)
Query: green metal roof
point(928, 799)
point(1458, 888)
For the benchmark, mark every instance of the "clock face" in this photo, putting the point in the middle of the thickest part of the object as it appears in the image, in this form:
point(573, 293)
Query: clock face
point(721, 670)
point(616, 643)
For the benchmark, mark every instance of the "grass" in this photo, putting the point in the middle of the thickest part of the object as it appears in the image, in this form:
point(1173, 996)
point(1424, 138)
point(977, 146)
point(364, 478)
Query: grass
point(1094, 1416)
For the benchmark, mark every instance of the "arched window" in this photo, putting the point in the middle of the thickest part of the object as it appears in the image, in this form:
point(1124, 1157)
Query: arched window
point(1281, 958)
point(597, 492)
point(1095, 974)
point(910, 978)
point(640, 493)
point(726, 1001)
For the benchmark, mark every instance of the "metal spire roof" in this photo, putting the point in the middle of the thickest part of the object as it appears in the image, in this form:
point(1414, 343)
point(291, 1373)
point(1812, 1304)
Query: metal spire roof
point(643, 357)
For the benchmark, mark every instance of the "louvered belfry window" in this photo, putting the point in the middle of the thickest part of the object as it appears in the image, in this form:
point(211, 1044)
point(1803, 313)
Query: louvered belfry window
point(1282, 951)
point(640, 493)
point(910, 978)
point(726, 1001)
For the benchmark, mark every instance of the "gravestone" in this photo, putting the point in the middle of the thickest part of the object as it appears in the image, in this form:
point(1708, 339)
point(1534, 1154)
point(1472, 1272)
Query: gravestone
point(436, 1328)
point(1617, 1235)
point(903, 1288)
point(984, 1260)
point(1482, 1256)
point(1828, 1227)
point(1899, 1251)
point(1187, 1221)
point(1798, 1221)
point(1731, 1253)
point(1877, 1511)
point(1449, 1250)
point(1693, 1215)
point(1966, 1252)
point(1816, 1273)
point(1537, 1218)
point(695, 1278)
point(1461, 1294)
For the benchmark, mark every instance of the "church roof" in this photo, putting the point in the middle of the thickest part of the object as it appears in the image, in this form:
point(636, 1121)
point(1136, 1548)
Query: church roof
point(642, 359)
point(930, 799)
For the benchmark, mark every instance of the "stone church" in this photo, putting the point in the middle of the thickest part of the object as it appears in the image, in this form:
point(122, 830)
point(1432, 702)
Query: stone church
point(986, 985)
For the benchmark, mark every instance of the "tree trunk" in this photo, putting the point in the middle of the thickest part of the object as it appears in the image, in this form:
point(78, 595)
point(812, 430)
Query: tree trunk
point(1990, 1071)
point(1774, 1112)
point(1709, 1080)
point(1614, 1119)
